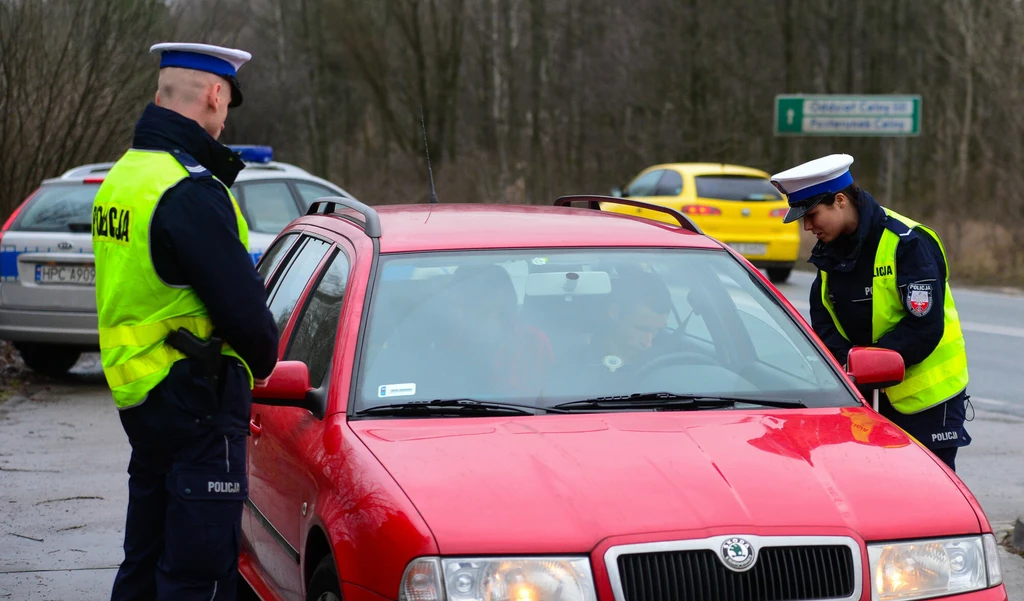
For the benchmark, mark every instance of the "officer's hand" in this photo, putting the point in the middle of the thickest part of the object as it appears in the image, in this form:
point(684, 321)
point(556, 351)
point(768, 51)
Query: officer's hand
point(260, 382)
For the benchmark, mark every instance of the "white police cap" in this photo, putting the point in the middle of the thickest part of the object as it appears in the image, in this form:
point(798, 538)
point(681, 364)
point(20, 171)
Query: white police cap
point(206, 57)
point(808, 184)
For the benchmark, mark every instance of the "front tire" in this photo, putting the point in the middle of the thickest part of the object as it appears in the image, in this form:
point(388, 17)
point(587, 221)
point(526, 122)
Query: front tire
point(51, 360)
point(324, 586)
point(245, 592)
point(779, 275)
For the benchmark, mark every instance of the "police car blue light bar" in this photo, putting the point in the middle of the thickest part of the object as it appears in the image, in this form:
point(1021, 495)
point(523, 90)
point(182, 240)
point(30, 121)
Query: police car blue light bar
point(252, 153)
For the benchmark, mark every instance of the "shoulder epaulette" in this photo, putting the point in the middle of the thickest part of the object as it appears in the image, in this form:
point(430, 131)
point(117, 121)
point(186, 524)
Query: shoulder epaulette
point(897, 227)
point(195, 168)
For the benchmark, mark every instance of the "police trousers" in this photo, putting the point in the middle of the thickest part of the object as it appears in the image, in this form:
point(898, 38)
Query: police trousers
point(186, 487)
point(941, 429)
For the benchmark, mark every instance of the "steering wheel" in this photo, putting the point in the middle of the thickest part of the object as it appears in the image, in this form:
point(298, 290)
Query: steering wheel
point(675, 358)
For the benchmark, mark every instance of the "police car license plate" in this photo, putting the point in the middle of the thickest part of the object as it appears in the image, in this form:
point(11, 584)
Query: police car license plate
point(747, 248)
point(80, 274)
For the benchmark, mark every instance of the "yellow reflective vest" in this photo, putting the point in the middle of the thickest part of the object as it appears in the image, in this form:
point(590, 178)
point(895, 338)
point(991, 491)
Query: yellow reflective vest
point(136, 309)
point(943, 374)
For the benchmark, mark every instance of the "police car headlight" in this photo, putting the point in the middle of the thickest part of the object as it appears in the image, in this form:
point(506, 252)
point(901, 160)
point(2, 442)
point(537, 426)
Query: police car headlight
point(498, 579)
point(933, 568)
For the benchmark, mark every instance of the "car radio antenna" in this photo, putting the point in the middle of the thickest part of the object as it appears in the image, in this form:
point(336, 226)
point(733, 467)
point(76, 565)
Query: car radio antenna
point(433, 195)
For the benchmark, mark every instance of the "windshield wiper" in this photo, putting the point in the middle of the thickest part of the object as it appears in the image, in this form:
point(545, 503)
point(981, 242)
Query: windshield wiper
point(454, 407)
point(671, 400)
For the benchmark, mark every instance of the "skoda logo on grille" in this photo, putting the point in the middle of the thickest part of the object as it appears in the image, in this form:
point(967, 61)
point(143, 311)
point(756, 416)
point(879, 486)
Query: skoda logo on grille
point(738, 555)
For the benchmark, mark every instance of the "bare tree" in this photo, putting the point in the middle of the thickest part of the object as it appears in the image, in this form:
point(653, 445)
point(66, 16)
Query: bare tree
point(525, 100)
point(64, 103)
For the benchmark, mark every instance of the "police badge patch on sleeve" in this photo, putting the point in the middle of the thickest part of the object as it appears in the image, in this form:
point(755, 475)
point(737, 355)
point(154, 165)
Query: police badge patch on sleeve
point(919, 299)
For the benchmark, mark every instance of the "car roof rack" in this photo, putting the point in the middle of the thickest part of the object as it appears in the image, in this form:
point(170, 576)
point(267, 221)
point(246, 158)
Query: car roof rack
point(593, 202)
point(331, 203)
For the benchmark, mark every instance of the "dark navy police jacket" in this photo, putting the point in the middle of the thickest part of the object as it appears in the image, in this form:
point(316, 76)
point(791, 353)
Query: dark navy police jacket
point(195, 242)
point(850, 262)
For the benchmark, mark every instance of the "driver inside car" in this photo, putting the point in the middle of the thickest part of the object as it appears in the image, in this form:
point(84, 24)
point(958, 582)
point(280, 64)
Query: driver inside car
point(637, 312)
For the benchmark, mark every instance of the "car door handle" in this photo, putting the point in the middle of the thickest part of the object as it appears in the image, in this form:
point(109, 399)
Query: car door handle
point(254, 426)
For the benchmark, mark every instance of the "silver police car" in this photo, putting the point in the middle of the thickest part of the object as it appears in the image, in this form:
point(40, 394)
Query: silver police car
point(47, 298)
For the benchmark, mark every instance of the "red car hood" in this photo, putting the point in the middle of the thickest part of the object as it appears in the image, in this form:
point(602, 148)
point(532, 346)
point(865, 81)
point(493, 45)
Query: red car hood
point(552, 484)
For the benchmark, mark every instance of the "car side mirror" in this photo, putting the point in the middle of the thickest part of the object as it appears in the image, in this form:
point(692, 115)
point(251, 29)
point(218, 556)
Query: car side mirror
point(873, 368)
point(288, 386)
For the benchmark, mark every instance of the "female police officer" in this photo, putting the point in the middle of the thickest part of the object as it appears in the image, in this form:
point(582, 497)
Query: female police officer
point(883, 281)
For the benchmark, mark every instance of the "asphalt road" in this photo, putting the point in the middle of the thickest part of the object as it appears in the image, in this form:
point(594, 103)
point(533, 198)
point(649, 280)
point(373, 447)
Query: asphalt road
point(63, 457)
point(63, 493)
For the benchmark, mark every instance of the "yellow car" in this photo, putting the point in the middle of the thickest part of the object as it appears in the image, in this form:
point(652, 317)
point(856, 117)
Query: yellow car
point(733, 204)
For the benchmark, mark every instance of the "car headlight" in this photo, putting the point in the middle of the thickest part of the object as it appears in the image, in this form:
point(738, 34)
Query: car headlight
point(933, 568)
point(498, 579)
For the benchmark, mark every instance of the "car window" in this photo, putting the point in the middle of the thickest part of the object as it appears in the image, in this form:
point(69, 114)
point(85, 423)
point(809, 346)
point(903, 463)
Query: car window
point(291, 283)
point(274, 254)
point(670, 184)
point(645, 184)
point(310, 192)
point(770, 341)
point(58, 208)
point(269, 206)
point(735, 187)
point(314, 334)
point(551, 325)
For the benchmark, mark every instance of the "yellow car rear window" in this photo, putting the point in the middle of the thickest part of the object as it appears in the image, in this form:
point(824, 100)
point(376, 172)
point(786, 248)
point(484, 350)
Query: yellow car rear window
point(735, 187)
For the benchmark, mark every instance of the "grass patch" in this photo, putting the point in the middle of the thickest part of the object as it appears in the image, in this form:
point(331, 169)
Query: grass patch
point(1007, 543)
point(14, 376)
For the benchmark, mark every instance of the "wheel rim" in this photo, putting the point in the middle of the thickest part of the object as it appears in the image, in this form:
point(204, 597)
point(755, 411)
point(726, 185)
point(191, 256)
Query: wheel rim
point(328, 596)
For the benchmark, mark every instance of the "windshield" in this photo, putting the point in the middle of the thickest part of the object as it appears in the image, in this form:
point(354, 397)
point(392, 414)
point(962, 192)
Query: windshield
point(268, 207)
point(735, 187)
point(543, 327)
point(58, 208)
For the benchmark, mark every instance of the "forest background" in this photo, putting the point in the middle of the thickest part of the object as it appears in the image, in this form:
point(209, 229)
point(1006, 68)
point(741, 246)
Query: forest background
point(526, 100)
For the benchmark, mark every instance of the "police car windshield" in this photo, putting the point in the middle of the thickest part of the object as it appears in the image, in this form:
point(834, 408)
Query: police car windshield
point(58, 208)
point(548, 326)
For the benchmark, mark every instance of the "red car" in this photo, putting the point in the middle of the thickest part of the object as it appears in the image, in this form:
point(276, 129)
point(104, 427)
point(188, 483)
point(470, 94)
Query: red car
point(511, 403)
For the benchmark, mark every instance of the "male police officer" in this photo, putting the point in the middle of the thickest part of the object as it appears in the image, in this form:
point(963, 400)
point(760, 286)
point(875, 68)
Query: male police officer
point(173, 280)
point(883, 281)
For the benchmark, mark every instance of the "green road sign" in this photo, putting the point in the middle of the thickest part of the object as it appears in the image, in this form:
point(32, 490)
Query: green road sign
point(835, 115)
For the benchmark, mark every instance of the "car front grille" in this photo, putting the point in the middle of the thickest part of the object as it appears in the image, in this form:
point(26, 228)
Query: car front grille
point(783, 573)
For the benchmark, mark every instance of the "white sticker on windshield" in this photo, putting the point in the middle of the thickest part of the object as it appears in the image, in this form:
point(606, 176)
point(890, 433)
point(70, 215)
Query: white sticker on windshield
point(389, 390)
